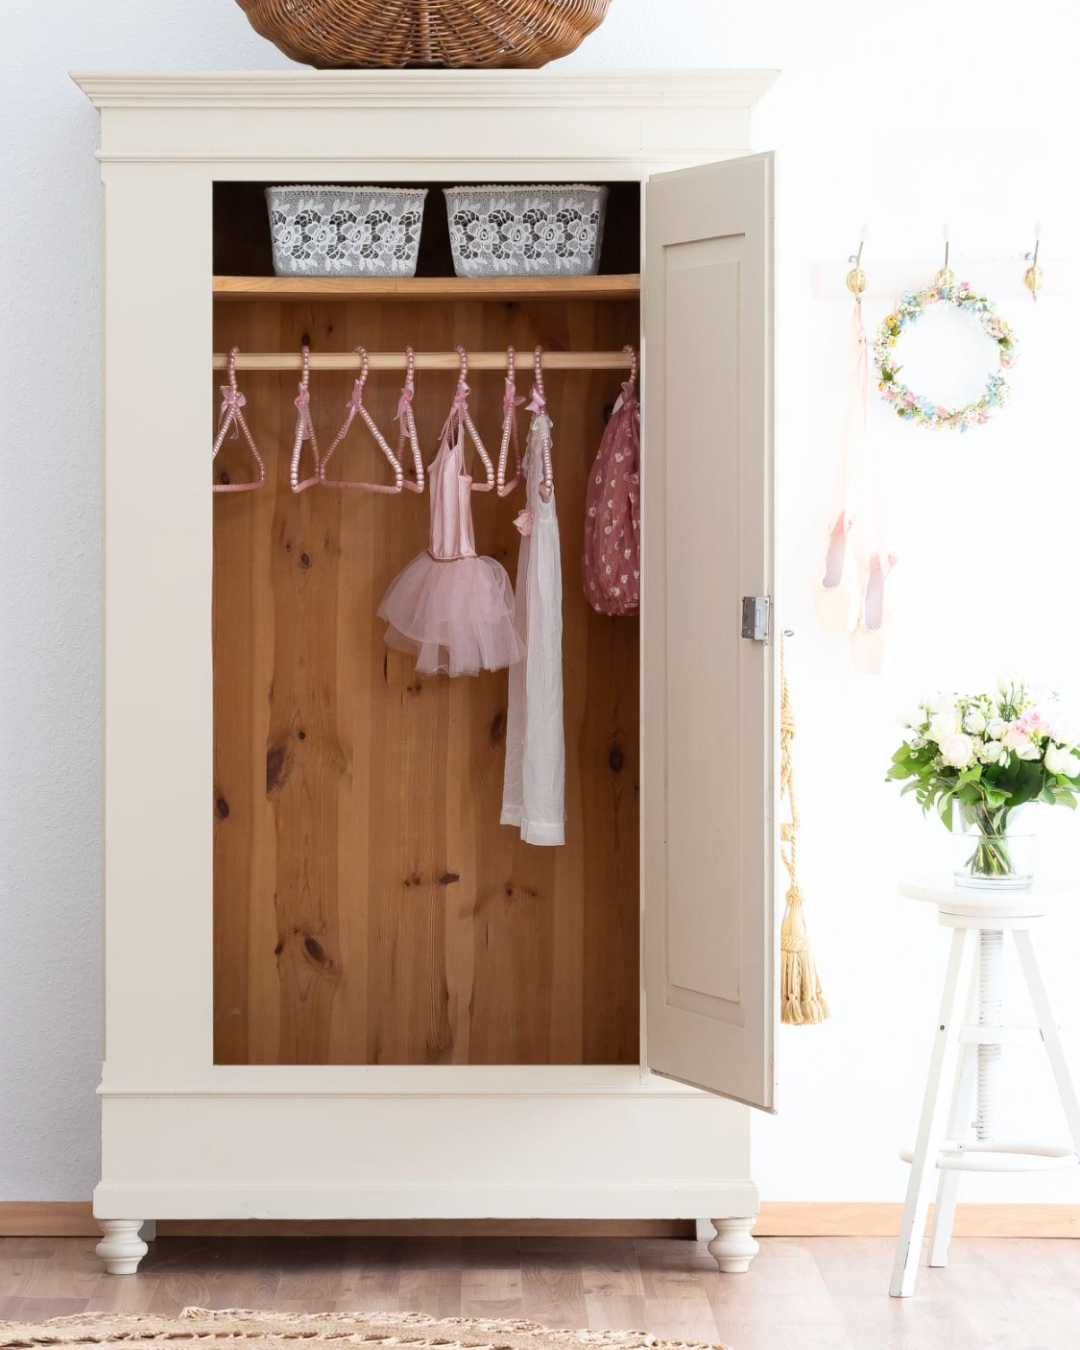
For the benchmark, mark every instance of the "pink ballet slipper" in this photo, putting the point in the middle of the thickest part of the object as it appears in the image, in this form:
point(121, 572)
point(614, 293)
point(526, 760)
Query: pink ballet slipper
point(874, 638)
point(838, 594)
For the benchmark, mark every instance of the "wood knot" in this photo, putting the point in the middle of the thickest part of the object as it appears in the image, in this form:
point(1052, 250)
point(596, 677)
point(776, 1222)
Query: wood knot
point(275, 767)
point(280, 947)
point(221, 808)
point(316, 952)
point(414, 879)
point(616, 758)
point(498, 727)
point(448, 878)
point(305, 560)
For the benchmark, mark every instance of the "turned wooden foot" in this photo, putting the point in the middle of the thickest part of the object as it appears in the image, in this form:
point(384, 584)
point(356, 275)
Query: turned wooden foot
point(121, 1248)
point(733, 1248)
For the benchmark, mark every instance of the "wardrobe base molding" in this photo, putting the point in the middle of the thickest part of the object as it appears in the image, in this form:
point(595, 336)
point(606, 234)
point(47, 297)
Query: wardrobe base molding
point(778, 1218)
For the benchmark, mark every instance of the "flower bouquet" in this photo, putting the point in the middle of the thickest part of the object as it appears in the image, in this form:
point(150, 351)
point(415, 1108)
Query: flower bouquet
point(976, 759)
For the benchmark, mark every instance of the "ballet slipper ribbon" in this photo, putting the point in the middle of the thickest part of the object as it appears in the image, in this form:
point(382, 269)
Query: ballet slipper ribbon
point(524, 522)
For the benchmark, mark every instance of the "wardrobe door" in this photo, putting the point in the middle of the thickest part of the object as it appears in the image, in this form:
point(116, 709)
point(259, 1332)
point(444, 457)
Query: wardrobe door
point(709, 692)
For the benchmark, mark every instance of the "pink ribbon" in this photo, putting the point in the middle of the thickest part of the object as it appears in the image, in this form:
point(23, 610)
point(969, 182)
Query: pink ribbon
point(405, 401)
point(537, 402)
point(510, 398)
point(457, 409)
point(302, 399)
point(231, 401)
point(356, 398)
point(524, 522)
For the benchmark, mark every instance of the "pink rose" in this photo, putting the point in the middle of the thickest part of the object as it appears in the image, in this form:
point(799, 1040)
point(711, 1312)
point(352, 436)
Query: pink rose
point(958, 751)
point(1016, 736)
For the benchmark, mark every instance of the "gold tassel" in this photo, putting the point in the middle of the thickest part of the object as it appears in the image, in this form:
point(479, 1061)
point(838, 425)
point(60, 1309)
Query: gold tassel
point(801, 999)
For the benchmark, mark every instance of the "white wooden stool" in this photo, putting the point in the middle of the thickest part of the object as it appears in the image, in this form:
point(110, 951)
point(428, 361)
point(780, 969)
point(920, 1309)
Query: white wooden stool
point(978, 1078)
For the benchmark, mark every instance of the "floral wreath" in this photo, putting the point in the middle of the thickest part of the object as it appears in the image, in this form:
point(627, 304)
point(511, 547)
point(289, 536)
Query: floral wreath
point(913, 407)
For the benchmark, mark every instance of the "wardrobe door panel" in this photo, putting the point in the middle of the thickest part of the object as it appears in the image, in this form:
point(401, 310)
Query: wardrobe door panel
point(709, 745)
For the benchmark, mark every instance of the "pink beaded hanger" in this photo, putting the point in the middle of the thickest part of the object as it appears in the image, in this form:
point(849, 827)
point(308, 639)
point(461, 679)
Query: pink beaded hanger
point(232, 404)
point(305, 429)
point(459, 417)
point(356, 405)
point(407, 418)
point(630, 386)
point(538, 404)
point(511, 402)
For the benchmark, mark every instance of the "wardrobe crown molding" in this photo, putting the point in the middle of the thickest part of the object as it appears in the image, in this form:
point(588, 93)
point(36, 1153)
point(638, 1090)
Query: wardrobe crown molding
point(425, 89)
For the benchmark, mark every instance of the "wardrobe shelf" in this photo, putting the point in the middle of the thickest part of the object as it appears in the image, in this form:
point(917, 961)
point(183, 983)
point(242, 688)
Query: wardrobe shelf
point(618, 287)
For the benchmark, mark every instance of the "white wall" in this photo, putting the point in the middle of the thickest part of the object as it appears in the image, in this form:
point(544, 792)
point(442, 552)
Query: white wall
point(902, 116)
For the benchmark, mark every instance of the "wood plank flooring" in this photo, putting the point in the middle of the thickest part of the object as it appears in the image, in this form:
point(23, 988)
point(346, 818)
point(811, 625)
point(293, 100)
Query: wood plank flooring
point(800, 1294)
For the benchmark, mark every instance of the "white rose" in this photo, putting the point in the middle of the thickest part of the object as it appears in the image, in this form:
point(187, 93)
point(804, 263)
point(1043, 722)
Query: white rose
point(1029, 750)
point(942, 703)
point(943, 725)
point(975, 722)
point(992, 752)
point(1063, 761)
point(957, 750)
point(996, 728)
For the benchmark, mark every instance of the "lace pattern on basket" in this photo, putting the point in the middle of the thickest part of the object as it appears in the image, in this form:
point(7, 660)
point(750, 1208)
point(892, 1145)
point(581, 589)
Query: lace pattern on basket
point(324, 231)
point(523, 230)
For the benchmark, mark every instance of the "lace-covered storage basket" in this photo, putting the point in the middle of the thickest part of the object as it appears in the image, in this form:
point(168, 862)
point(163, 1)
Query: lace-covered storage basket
point(345, 231)
point(520, 231)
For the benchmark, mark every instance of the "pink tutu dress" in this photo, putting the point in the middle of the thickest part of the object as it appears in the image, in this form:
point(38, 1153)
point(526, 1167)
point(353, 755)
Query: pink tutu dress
point(452, 608)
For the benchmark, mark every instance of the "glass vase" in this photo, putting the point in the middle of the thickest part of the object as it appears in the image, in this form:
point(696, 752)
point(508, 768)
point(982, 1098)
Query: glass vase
point(997, 857)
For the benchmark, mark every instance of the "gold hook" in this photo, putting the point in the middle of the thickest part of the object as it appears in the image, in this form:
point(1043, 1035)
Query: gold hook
point(856, 278)
point(1033, 277)
point(946, 276)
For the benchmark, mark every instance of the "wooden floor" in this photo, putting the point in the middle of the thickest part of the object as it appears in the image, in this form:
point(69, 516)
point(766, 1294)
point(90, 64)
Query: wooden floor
point(800, 1294)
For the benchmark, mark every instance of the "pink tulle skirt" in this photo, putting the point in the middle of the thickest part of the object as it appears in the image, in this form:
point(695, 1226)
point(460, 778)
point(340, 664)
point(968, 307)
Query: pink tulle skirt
point(457, 617)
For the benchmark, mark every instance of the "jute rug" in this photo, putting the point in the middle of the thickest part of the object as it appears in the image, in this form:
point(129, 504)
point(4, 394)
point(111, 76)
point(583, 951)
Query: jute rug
point(280, 1331)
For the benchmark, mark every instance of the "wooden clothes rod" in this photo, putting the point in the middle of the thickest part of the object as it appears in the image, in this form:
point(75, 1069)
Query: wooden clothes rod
point(523, 360)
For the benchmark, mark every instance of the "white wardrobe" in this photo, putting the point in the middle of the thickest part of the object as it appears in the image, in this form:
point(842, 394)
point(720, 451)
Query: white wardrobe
point(335, 986)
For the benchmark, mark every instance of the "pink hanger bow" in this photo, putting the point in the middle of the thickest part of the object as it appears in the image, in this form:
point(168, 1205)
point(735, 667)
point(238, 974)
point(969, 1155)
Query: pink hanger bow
point(511, 398)
point(356, 398)
point(302, 399)
point(537, 402)
point(231, 401)
point(405, 400)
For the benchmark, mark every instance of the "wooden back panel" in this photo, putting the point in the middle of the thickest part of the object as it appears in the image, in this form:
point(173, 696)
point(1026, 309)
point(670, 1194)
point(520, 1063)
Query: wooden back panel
point(369, 908)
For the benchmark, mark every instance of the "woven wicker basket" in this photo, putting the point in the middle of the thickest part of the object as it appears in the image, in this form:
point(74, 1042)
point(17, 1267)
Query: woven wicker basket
point(459, 33)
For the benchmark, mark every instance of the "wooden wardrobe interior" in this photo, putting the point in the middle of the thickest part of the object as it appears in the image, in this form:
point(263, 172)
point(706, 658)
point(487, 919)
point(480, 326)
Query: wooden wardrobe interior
point(369, 908)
